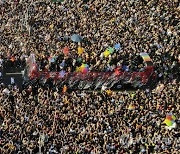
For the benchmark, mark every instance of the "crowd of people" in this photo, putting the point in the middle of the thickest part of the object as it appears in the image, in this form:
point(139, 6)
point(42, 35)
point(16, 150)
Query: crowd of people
point(44, 28)
point(89, 122)
point(51, 121)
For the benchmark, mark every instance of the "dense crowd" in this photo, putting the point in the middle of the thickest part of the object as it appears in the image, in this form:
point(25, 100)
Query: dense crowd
point(89, 122)
point(44, 28)
point(48, 120)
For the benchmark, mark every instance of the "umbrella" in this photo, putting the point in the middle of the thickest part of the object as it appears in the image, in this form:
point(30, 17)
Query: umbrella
point(169, 121)
point(170, 117)
point(84, 68)
point(76, 38)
